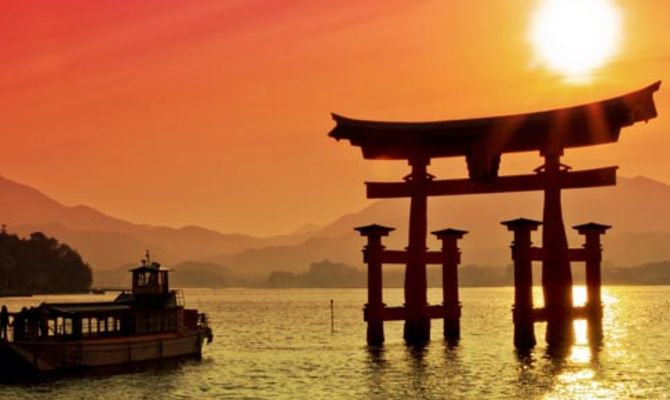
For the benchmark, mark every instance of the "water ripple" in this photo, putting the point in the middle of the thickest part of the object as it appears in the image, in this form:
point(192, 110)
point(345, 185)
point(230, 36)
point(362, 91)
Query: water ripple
point(272, 344)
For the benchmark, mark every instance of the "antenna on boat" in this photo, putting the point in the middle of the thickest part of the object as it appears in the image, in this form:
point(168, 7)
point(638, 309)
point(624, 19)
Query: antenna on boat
point(146, 261)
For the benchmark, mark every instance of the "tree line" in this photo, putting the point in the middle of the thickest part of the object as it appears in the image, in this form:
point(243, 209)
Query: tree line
point(40, 264)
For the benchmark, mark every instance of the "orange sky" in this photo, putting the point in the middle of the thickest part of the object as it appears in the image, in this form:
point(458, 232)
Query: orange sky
point(215, 113)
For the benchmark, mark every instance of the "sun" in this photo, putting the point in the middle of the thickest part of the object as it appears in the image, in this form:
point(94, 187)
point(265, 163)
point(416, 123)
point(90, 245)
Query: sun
point(575, 37)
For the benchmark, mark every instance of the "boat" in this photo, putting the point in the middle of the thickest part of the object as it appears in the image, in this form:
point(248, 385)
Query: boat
point(146, 324)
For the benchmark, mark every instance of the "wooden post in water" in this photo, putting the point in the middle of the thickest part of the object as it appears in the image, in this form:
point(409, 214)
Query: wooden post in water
point(332, 316)
point(522, 311)
point(556, 273)
point(593, 248)
point(450, 300)
point(417, 322)
point(372, 256)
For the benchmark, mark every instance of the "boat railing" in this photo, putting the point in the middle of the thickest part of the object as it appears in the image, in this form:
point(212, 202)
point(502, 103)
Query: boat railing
point(9, 335)
point(179, 295)
point(203, 325)
point(202, 320)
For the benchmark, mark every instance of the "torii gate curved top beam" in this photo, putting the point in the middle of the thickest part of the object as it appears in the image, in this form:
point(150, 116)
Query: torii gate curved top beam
point(584, 125)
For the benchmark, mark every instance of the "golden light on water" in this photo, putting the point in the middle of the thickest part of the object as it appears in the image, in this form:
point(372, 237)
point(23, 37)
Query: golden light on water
point(578, 295)
point(580, 353)
point(578, 375)
point(575, 37)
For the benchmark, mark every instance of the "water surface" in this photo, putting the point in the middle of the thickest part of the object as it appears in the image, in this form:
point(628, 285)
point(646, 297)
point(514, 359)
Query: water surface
point(277, 344)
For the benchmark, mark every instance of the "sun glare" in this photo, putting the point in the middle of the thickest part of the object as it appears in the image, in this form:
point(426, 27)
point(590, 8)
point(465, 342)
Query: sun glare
point(575, 37)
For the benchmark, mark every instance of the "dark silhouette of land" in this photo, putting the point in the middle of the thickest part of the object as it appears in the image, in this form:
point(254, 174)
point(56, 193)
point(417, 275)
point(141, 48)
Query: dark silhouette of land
point(107, 244)
point(331, 274)
point(323, 274)
point(40, 264)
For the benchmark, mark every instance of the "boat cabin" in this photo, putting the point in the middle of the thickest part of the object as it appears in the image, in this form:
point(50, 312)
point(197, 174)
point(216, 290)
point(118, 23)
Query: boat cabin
point(150, 279)
point(150, 307)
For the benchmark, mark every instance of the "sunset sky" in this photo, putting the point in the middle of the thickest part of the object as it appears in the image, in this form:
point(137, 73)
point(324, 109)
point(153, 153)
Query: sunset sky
point(216, 113)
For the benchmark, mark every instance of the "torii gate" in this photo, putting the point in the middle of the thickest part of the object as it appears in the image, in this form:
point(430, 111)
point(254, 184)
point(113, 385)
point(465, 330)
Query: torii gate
point(482, 141)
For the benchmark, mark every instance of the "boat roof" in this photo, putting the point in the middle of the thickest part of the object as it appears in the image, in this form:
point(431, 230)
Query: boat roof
point(145, 268)
point(85, 308)
point(583, 125)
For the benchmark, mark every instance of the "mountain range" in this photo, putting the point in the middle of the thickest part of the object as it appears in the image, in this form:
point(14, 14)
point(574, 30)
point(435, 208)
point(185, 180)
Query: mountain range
point(635, 208)
point(107, 242)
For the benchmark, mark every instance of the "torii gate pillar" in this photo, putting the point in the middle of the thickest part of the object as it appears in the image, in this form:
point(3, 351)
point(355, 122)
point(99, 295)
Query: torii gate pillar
point(372, 255)
point(522, 311)
point(450, 301)
point(556, 273)
point(417, 323)
point(594, 307)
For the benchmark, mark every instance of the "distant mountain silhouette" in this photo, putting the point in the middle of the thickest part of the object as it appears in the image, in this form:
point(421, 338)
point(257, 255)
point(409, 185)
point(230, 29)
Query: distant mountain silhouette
point(636, 209)
point(188, 274)
point(108, 242)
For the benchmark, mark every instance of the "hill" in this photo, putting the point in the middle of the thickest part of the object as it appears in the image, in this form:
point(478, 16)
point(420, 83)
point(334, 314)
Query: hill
point(184, 275)
point(636, 209)
point(107, 242)
point(40, 264)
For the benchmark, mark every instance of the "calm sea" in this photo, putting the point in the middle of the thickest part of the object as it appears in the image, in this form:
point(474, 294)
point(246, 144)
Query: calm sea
point(277, 344)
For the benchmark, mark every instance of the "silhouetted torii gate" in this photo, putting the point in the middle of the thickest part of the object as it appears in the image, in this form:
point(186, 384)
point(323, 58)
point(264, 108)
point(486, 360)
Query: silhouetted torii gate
point(482, 141)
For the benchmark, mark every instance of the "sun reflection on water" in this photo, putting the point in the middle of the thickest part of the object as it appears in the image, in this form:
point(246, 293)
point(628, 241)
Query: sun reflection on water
point(578, 295)
point(579, 375)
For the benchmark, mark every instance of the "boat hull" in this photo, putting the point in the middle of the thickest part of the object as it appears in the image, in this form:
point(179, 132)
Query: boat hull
point(33, 358)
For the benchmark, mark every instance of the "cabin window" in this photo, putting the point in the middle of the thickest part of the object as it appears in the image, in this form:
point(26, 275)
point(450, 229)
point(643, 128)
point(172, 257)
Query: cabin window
point(42, 328)
point(111, 325)
point(162, 277)
point(85, 326)
point(146, 278)
point(52, 327)
point(118, 325)
point(68, 326)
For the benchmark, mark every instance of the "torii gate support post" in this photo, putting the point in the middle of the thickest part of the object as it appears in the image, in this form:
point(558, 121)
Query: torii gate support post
point(372, 255)
point(556, 273)
point(450, 300)
point(417, 322)
point(593, 247)
point(522, 311)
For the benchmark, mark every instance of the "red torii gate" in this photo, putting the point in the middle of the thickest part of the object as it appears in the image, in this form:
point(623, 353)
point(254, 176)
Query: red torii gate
point(482, 141)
